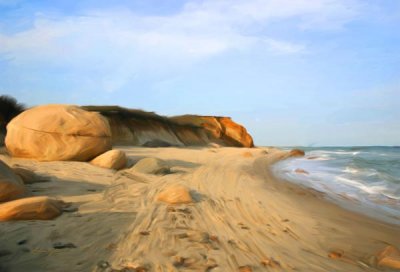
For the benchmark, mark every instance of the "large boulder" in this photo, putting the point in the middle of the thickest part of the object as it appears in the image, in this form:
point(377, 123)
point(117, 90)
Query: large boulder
point(31, 208)
point(113, 159)
point(11, 185)
point(58, 133)
point(153, 166)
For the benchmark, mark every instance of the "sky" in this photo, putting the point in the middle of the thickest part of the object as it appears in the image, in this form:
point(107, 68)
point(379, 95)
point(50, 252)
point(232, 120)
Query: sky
point(293, 72)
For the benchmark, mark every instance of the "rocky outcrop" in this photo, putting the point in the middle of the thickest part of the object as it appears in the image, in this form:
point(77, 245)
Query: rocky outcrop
point(58, 132)
point(140, 128)
point(220, 130)
point(11, 185)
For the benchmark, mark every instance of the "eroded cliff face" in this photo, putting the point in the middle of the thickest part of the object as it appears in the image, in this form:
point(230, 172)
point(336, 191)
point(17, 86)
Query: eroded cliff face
point(136, 127)
point(221, 130)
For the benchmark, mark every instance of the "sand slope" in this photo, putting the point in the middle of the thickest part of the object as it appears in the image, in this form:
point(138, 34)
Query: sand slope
point(240, 216)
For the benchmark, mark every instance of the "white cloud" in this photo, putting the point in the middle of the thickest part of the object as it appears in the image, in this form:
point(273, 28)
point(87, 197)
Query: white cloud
point(103, 40)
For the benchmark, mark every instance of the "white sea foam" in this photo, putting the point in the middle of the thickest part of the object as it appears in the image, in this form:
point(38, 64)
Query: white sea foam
point(368, 176)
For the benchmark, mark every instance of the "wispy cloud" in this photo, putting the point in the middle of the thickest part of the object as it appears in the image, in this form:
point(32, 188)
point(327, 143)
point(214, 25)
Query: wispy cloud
point(102, 40)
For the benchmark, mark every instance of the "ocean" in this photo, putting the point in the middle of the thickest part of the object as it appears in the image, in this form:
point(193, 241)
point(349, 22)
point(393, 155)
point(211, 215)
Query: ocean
point(364, 179)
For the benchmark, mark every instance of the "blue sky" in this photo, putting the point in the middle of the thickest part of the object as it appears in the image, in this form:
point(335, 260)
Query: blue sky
point(294, 72)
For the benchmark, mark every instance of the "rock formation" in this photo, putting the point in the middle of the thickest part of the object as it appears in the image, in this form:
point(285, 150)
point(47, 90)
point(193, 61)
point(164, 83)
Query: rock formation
point(140, 128)
point(220, 130)
point(58, 132)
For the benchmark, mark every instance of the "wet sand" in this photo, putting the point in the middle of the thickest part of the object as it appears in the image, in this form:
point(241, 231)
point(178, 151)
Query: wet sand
point(241, 218)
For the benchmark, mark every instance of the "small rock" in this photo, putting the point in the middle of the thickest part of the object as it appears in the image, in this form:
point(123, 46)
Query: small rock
point(270, 262)
point(103, 264)
point(182, 235)
point(144, 232)
point(296, 153)
point(178, 261)
point(112, 159)
point(389, 257)
point(214, 238)
point(150, 166)
point(70, 209)
point(185, 210)
point(335, 255)
point(171, 209)
point(301, 171)
point(22, 242)
point(201, 237)
point(61, 245)
point(245, 268)
point(214, 145)
point(177, 194)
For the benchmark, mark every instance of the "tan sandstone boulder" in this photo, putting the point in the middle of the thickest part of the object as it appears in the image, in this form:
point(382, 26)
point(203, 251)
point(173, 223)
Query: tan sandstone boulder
point(11, 185)
point(177, 194)
point(389, 257)
point(113, 159)
point(296, 153)
point(31, 208)
point(151, 166)
point(58, 133)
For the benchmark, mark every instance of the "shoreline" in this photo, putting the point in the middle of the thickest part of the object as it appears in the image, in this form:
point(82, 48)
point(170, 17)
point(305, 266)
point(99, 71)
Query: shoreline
point(242, 216)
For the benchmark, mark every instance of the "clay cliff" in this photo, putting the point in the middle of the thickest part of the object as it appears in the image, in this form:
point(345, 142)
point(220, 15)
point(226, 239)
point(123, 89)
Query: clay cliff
point(141, 128)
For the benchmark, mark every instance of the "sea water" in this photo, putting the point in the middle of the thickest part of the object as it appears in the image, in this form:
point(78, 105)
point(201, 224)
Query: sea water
point(366, 179)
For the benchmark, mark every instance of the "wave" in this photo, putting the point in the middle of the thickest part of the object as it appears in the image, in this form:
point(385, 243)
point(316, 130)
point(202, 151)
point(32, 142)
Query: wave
point(371, 176)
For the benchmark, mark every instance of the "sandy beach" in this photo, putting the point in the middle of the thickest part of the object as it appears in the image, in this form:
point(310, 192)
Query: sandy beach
point(241, 219)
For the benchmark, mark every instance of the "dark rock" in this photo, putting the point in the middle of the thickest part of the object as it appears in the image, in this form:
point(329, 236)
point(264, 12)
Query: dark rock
point(22, 242)
point(61, 245)
point(70, 209)
point(245, 268)
point(103, 264)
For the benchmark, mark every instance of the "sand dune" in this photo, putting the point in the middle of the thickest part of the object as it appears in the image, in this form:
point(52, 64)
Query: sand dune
point(241, 219)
